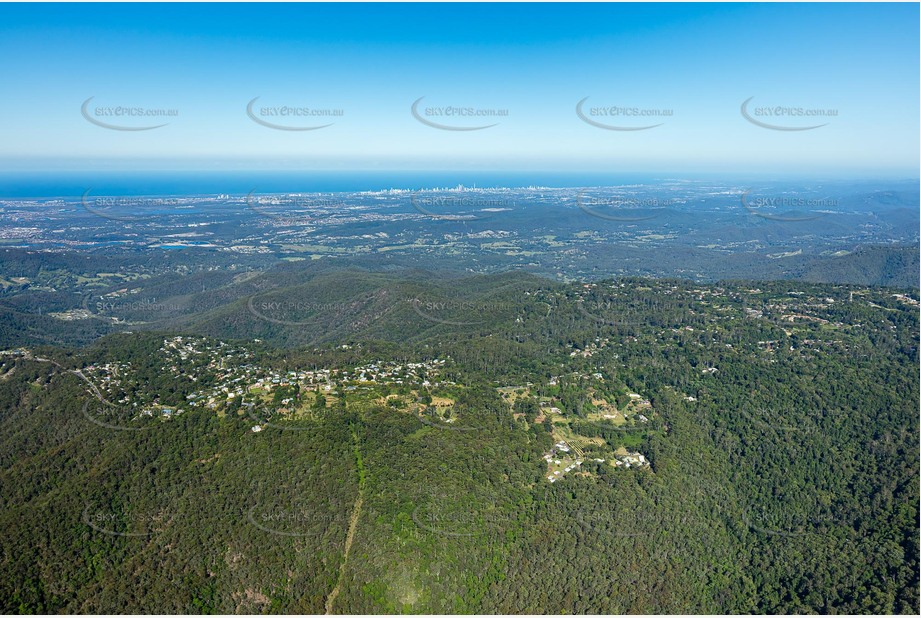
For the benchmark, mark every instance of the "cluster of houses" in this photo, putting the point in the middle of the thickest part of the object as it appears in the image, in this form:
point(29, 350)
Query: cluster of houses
point(631, 460)
point(638, 399)
point(389, 372)
point(162, 411)
point(623, 459)
point(231, 386)
point(108, 379)
point(234, 376)
point(558, 474)
point(560, 447)
point(906, 299)
point(592, 347)
point(376, 372)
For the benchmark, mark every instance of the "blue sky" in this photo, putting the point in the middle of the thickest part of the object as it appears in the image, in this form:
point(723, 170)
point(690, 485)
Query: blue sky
point(537, 62)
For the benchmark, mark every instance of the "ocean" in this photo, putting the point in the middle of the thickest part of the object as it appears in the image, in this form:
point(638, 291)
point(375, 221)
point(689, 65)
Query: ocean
point(72, 185)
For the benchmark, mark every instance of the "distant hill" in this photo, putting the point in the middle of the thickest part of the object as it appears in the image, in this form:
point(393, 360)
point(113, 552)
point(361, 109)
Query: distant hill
point(886, 266)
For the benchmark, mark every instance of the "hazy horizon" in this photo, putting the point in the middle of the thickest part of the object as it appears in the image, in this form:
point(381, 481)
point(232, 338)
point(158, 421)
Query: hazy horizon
point(715, 88)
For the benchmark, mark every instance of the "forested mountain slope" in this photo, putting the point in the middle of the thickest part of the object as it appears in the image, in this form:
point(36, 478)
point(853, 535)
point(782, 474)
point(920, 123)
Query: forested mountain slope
point(388, 444)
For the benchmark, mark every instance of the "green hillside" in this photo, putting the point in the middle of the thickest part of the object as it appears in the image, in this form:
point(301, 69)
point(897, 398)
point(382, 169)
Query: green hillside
point(396, 449)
